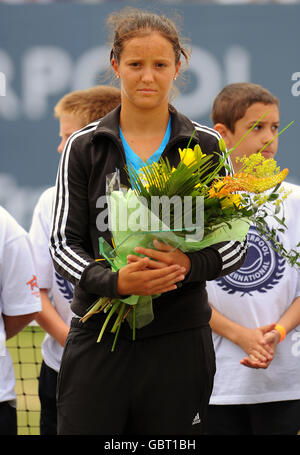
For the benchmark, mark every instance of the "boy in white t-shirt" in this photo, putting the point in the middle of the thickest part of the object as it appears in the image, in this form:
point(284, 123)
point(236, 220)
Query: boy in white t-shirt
point(19, 303)
point(74, 111)
point(256, 310)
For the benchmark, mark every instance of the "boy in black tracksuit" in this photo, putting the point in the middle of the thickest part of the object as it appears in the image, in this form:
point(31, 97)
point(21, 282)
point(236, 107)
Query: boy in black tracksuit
point(161, 383)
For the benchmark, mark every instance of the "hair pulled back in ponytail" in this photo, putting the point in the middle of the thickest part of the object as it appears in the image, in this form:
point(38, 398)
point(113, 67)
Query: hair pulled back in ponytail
point(131, 22)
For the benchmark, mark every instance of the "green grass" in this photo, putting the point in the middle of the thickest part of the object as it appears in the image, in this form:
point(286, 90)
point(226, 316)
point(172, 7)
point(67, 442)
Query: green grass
point(26, 354)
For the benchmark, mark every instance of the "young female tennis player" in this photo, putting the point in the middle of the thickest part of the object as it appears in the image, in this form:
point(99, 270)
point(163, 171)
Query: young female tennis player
point(161, 382)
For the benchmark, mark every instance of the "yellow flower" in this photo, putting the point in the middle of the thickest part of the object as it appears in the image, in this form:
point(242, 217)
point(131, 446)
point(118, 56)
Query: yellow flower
point(198, 152)
point(222, 145)
point(144, 180)
point(190, 156)
point(187, 156)
point(260, 199)
point(256, 164)
point(246, 182)
point(216, 188)
point(231, 201)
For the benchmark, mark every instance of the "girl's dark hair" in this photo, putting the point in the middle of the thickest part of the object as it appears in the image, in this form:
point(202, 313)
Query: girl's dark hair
point(131, 22)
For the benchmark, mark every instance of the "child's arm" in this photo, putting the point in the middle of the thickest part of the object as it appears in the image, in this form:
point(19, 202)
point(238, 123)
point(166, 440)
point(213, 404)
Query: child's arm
point(250, 340)
point(51, 321)
point(289, 320)
point(14, 324)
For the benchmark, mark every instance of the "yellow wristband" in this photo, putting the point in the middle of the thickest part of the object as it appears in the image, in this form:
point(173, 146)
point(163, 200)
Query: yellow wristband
point(282, 332)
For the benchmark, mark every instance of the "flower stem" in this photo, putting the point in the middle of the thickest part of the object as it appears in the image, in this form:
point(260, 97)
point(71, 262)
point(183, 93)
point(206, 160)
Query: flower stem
point(96, 308)
point(113, 309)
point(278, 134)
point(133, 321)
point(120, 317)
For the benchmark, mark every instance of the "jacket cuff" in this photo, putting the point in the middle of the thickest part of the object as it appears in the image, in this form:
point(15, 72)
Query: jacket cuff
point(206, 265)
point(98, 280)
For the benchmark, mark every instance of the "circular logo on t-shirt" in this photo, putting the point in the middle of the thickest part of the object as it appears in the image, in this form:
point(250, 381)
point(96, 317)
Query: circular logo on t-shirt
point(262, 270)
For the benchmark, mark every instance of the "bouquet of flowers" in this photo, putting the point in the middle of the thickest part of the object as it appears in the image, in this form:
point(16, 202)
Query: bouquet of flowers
point(189, 207)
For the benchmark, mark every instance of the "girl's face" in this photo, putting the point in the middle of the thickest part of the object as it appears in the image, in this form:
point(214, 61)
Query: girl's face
point(146, 69)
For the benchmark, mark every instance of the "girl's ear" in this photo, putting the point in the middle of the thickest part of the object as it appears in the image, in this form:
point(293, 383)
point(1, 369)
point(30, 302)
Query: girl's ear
point(115, 67)
point(177, 71)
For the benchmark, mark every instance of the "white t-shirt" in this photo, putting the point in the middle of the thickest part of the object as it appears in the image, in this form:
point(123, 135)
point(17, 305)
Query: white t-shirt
point(256, 295)
point(19, 292)
point(60, 291)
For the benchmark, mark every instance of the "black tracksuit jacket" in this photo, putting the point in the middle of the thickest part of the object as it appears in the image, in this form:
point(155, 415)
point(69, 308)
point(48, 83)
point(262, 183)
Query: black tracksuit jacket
point(89, 155)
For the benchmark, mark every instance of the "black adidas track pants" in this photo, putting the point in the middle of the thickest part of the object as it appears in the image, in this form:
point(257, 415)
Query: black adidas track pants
point(153, 386)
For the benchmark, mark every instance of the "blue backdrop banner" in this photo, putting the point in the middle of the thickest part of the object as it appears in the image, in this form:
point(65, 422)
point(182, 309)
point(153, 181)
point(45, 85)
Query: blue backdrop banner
point(49, 50)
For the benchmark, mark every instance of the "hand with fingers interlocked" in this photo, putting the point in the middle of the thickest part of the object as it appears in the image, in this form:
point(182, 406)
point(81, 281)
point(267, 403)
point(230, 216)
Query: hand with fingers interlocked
point(259, 344)
point(158, 271)
point(163, 255)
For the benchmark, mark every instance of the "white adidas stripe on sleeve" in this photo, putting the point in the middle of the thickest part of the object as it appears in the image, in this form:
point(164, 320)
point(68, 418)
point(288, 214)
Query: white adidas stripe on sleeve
point(60, 251)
